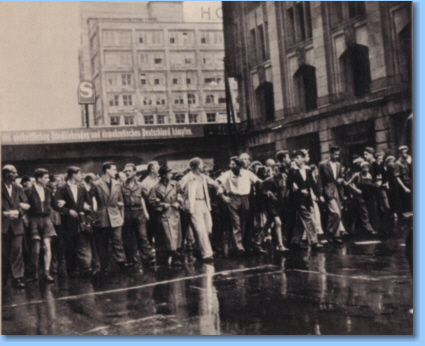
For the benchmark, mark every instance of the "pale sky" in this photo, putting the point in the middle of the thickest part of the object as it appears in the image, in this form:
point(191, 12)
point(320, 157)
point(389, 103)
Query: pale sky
point(39, 75)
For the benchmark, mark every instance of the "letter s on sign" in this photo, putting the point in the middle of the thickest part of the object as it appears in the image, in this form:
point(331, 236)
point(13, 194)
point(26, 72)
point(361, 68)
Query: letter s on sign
point(86, 89)
point(86, 93)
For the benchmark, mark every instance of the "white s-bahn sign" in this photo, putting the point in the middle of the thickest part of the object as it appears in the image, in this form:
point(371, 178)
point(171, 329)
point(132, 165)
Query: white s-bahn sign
point(86, 93)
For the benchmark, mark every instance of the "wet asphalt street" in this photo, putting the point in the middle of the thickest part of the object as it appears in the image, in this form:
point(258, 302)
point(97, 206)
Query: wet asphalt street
point(362, 287)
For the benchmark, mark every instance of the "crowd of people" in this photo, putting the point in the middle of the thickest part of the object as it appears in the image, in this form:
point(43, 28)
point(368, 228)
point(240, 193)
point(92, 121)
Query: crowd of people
point(83, 225)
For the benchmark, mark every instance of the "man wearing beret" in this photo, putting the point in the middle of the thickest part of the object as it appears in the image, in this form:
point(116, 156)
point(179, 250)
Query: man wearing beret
point(404, 175)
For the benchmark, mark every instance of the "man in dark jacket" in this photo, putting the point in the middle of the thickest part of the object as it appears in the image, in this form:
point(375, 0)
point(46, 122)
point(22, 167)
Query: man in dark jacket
point(41, 226)
point(74, 202)
point(13, 203)
point(300, 182)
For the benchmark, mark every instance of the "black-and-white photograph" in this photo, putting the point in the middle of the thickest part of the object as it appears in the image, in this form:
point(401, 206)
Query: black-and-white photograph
point(206, 168)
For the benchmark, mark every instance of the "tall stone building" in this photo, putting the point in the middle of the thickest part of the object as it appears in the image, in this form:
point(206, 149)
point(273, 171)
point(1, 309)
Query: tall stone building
point(150, 67)
point(313, 74)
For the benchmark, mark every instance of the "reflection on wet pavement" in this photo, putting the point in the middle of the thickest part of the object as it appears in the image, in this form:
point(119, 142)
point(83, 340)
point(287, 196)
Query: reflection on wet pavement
point(347, 289)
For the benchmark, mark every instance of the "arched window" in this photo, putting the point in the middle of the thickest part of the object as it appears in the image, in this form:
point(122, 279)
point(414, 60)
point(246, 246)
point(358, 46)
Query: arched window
point(306, 87)
point(405, 47)
point(191, 99)
point(210, 99)
point(355, 70)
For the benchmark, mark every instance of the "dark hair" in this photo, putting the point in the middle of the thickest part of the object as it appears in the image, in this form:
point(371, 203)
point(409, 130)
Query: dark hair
point(52, 178)
point(40, 173)
point(333, 149)
point(107, 165)
point(5, 171)
point(195, 162)
point(88, 178)
point(313, 167)
point(237, 161)
point(25, 179)
point(151, 164)
point(71, 171)
point(278, 165)
point(262, 172)
point(281, 155)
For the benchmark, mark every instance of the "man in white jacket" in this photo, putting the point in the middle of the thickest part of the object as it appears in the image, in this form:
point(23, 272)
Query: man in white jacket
point(194, 188)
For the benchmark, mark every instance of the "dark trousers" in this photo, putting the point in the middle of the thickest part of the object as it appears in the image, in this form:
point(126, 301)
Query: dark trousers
point(78, 252)
point(58, 249)
point(103, 236)
point(384, 210)
point(304, 223)
point(135, 234)
point(362, 213)
point(239, 213)
point(11, 253)
point(151, 224)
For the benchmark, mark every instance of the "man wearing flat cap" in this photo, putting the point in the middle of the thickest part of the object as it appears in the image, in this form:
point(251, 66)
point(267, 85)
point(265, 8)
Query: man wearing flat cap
point(404, 175)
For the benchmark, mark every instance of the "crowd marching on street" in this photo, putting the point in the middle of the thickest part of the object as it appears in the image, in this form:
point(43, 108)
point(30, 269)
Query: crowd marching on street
point(82, 225)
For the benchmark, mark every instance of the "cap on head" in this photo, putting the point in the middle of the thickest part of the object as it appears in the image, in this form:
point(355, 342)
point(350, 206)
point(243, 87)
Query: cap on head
point(390, 158)
point(301, 152)
point(403, 148)
point(358, 160)
point(333, 149)
point(163, 170)
point(370, 150)
point(365, 163)
point(380, 153)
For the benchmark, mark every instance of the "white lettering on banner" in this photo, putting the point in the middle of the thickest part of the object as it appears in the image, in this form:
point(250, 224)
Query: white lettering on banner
point(104, 134)
point(182, 165)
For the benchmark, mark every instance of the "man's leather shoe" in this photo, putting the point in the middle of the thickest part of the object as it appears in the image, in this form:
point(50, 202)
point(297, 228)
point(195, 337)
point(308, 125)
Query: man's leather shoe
point(18, 283)
point(338, 240)
point(48, 278)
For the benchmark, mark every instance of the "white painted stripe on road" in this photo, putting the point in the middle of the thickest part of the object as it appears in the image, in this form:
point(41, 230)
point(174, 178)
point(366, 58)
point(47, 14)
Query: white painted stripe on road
point(368, 242)
point(359, 277)
point(225, 272)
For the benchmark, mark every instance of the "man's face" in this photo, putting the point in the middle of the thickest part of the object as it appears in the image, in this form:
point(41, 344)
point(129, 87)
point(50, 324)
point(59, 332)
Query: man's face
point(390, 162)
point(44, 180)
point(299, 160)
point(112, 172)
point(404, 154)
point(246, 160)
point(28, 184)
point(54, 184)
point(270, 162)
point(365, 169)
point(380, 159)
point(367, 155)
point(307, 158)
point(169, 175)
point(13, 174)
point(232, 165)
point(130, 172)
point(276, 171)
point(78, 176)
point(155, 168)
point(202, 167)
point(335, 155)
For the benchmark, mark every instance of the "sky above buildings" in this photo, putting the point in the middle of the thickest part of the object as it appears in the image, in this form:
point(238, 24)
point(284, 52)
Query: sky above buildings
point(39, 75)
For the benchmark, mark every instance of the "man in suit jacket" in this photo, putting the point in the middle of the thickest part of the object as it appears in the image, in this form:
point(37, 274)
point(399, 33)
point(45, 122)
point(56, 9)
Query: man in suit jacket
point(41, 226)
point(73, 200)
point(13, 203)
point(300, 182)
point(330, 184)
point(109, 219)
point(404, 177)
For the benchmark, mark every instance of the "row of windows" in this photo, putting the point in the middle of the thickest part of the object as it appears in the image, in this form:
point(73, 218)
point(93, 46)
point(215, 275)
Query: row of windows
point(189, 99)
point(159, 79)
point(180, 118)
point(157, 59)
point(156, 38)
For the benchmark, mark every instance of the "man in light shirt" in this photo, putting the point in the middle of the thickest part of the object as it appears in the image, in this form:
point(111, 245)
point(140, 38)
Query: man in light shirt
point(41, 226)
point(237, 184)
point(331, 185)
point(147, 184)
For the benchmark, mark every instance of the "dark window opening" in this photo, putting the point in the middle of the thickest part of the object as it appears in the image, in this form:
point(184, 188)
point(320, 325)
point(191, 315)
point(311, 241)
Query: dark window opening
point(405, 39)
point(356, 8)
point(262, 42)
point(265, 100)
point(356, 70)
point(301, 24)
point(306, 87)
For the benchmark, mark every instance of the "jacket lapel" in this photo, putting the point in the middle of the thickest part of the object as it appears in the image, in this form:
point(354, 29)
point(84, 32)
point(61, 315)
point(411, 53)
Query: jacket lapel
point(330, 171)
point(104, 187)
point(114, 189)
point(69, 192)
point(6, 193)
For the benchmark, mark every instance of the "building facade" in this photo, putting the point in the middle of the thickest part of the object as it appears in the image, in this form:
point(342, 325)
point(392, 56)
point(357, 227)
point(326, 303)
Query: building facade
point(314, 74)
point(149, 67)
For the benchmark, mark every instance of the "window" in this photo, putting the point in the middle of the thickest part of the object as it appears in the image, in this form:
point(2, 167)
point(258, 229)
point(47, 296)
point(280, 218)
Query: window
point(141, 39)
point(147, 101)
point(114, 101)
point(262, 42)
point(172, 40)
point(158, 61)
point(203, 40)
point(191, 99)
point(180, 118)
point(148, 119)
point(193, 118)
point(209, 99)
point(175, 81)
point(298, 25)
point(160, 119)
point(355, 70)
point(126, 79)
point(188, 81)
point(341, 11)
point(265, 100)
point(129, 120)
point(142, 79)
point(211, 118)
point(222, 99)
point(127, 100)
point(306, 87)
point(115, 121)
point(179, 100)
point(156, 81)
point(187, 61)
point(160, 101)
point(356, 8)
point(212, 80)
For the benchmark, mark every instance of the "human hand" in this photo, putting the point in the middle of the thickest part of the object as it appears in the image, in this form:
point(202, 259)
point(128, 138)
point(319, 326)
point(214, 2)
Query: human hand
point(73, 213)
point(61, 203)
point(24, 206)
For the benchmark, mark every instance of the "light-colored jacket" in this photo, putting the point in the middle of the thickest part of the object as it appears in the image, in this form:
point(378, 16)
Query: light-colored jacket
point(108, 213)
point(188, 186)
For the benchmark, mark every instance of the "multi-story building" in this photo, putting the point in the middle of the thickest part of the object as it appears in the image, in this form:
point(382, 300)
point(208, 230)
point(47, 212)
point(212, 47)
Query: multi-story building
point(149, 67)
point(313, 74)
